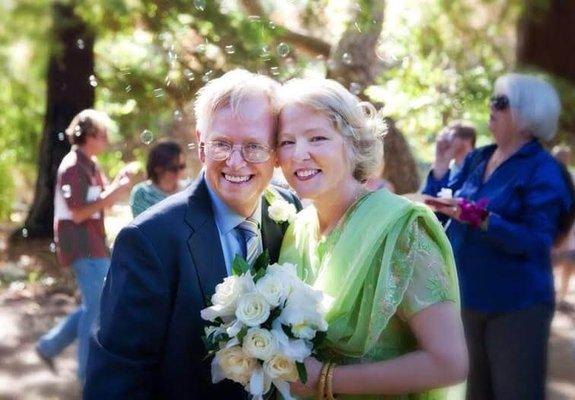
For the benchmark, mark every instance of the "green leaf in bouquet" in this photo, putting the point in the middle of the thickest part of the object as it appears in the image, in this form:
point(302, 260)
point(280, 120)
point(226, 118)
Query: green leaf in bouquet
point(301, 372)
point(262, 262)
point(240, 266)
point(259, 275)
point(319, 339)
point(242, 334)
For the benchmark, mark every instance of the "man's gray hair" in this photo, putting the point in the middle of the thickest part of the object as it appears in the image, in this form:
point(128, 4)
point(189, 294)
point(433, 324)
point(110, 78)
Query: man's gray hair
point(535, 105)
point(231, 89)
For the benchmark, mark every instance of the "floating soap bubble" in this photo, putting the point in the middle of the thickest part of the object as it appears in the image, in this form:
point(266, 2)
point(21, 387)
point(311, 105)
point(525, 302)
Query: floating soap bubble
point(347, 58)
point(146, 136)
point(189, 75)
point(283, 49)
point(66, 191)
point(207, 76)
point(80, 44)
point(93, 81)
point(200, 4)
point(265, 53)
point(355, 88)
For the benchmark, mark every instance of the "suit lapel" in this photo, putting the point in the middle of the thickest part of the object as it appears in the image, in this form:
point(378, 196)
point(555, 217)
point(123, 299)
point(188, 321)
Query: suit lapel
point(204, 243)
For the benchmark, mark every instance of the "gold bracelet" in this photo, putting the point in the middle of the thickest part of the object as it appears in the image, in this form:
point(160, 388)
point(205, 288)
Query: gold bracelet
point(321, 383)
point(329, 382)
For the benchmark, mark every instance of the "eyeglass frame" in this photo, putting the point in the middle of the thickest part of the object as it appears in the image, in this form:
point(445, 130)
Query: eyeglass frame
point(499, 102)
point(241, 147)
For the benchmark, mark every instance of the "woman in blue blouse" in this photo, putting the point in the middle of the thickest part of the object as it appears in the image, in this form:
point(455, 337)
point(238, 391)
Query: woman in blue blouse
point(503, 250)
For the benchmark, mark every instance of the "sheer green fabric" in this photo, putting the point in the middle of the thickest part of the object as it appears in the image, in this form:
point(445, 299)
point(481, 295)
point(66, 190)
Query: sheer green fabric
point(387, 259)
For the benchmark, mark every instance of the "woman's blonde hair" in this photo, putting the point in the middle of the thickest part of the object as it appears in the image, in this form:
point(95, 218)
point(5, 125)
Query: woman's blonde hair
point(358, 122)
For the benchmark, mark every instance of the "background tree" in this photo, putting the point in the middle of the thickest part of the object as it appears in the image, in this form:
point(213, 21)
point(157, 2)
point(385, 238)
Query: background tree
point(70, 89)
point(423, 63)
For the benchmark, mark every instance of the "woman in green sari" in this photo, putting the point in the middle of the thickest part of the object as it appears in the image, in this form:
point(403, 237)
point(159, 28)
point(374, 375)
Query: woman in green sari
point(394, 326)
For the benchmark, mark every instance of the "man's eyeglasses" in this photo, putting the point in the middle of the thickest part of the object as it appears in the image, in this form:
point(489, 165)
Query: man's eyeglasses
point(176, 168)
point(500, 103)
point(219, 150)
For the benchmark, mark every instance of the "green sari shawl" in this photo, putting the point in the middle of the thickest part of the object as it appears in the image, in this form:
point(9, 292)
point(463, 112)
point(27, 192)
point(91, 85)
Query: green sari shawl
point(387, 259)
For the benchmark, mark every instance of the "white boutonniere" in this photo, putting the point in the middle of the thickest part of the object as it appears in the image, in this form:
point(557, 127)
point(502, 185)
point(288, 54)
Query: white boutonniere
point(279, 209)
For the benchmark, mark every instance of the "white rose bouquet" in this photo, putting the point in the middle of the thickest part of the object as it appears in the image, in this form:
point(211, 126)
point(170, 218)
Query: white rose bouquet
point(263, 322)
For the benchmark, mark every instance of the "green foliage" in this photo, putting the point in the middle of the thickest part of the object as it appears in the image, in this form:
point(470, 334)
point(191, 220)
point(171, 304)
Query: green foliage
point(442, 60)
point(22, 68)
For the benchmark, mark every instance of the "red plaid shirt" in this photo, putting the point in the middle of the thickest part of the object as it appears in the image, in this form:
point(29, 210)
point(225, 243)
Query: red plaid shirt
point(79, 182)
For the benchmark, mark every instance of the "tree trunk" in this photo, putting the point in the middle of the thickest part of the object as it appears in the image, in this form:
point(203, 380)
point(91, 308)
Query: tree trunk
point(546, 37)
point(69, 91)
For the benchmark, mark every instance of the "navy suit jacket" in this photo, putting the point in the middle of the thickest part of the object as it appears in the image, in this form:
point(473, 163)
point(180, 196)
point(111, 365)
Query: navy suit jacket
point(164, 265)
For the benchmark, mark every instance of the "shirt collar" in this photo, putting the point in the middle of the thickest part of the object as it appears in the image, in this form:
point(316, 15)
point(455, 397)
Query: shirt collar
point(226, 218)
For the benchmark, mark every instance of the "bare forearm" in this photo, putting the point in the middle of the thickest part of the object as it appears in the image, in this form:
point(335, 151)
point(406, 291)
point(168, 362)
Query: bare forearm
point(413, 372)
point(80, 214)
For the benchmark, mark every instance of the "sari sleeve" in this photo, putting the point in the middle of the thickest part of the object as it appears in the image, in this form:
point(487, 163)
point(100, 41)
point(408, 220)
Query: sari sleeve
point(430, 281)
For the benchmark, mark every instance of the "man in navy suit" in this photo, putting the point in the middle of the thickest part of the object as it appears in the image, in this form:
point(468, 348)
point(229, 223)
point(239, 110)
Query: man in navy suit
point(167, 262)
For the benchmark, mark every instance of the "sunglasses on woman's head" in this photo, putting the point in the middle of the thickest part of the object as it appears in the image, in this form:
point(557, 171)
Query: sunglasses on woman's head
point(500, 102)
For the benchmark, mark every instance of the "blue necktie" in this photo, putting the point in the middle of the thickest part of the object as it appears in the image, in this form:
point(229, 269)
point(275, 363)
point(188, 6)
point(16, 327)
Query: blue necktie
point(253, 244)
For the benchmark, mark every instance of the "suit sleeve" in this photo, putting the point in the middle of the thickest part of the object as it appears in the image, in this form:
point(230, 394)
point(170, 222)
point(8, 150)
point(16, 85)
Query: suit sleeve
point(125, 352)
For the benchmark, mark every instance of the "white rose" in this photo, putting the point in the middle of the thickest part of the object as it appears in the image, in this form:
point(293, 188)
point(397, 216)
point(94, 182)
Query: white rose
point(253, 309)
point(236, 364)
point(272, 288)
point(280, 367)
point(287, 273)
point(295, 349)
point(303, 312)
point(282, 211)
point(226, 296)
point(259, 343)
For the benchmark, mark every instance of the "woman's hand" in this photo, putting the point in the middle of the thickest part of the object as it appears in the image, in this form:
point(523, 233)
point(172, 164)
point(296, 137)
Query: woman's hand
point(444, 153)
point(449, 207)
point(313, 368)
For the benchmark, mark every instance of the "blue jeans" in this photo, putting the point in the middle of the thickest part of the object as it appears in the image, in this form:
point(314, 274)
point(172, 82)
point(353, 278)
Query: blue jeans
point(90, 276)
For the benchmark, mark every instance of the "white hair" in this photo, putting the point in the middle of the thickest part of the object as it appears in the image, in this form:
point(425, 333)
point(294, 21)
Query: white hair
point(534, 103)
point(358, 122)
point(231, 89)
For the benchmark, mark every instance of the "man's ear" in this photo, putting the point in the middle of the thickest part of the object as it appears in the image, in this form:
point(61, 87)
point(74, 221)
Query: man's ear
point(201, 152)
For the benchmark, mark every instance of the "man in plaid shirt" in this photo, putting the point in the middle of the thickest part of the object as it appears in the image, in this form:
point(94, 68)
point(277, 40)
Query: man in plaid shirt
point(81, 196)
